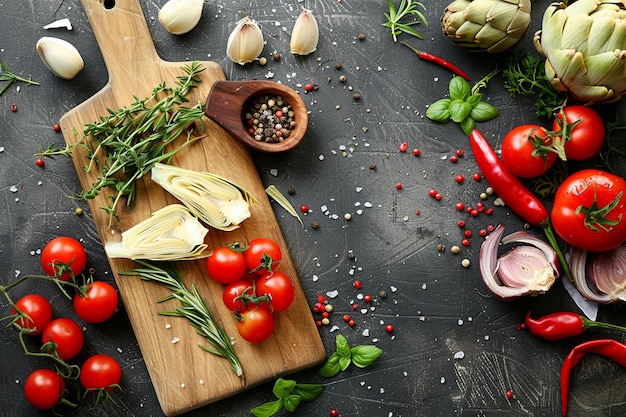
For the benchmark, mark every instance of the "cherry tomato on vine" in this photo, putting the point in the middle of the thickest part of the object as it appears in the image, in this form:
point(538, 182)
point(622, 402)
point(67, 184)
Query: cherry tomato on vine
point(279, 287)
point(63, 250)
point(257, 248)
point(589, 210)
point(66, 335)
point(586, 137)
point(226, 265)
point(256, 323)
point(38, 310)
point(43, 388)
point(100, 372)
point(99, 303)
point(231, 294)
point(526, 152)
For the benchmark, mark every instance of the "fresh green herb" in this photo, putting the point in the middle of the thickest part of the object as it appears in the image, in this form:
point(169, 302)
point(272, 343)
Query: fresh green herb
point(614, 145)
point(361, 356)
point(10, 78)
point(406, 8)
point(273, 192)
point(289, 394)
point(134, 138)
point(193, 308)
point(464, 104)
point(525, 75)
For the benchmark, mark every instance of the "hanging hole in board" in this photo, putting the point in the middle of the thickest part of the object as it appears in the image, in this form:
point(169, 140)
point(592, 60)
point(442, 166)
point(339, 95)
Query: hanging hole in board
point(108, 4)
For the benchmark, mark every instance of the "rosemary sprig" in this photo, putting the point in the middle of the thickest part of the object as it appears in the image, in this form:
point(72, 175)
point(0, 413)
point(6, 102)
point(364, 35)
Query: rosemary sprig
point(133, 139)
point(193, 308)
point(406, 8)
point(10, 78)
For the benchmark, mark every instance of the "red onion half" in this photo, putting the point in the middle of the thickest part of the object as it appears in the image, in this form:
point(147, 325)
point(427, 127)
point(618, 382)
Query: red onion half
point(600, 277)
point(527, 269)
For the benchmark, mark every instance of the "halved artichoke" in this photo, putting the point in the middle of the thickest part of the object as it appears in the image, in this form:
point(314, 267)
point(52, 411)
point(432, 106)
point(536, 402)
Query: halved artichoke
point(584, 46)
point(486, 25)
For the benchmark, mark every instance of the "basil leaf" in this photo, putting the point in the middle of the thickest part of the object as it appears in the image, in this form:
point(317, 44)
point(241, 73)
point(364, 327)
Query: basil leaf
point(439, 111)
point(283, 387)
point(344, 362)
point(291, 402)
point(459, 110)
point(364, 355)
point(474, 99)
point(459, 89)
point(468, 125)
point(268, 409)
point(331, 367)
point(308, 392)
point(343, 348)
point(483, 112)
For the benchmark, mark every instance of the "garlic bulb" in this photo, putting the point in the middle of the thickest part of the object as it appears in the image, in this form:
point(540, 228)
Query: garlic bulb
point(213, 199)
point(180, 16)
point(305, 34)
point(171, 233)
point(245, 42)
point(60, 56)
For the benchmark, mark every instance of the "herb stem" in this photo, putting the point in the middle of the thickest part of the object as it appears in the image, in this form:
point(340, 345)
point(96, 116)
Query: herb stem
point(193, 308)
point(10, 78)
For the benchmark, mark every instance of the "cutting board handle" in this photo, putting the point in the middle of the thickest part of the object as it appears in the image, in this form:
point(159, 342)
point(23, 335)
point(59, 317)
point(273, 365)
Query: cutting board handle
point(123, 36)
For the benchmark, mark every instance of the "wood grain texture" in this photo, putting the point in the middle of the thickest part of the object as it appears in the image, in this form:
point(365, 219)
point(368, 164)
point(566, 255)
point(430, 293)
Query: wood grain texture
point(184, 376)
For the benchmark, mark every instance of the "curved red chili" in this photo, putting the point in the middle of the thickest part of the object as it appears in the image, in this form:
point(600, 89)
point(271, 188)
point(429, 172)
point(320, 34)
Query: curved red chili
point(426, 56)
point(510, 189)
point(609, 348)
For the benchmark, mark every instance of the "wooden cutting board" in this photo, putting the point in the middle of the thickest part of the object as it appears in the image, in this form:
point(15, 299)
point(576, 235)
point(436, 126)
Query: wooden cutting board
point(184, 376)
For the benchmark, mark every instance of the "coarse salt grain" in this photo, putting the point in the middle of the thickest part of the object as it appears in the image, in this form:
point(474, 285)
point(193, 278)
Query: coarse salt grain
point(366, 332)
point(459, 355)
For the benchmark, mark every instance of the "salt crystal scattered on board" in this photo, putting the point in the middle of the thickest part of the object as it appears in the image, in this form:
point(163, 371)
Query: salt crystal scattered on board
point(459, 355)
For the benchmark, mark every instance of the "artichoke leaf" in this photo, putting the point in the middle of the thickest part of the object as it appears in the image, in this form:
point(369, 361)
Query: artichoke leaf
point(601, 32)
point(606, 69)
point(502, 14)
point(576, 33)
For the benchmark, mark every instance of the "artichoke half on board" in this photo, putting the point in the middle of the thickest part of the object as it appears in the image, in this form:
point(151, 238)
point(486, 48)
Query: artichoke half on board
point(583, 44)
point(486, 25)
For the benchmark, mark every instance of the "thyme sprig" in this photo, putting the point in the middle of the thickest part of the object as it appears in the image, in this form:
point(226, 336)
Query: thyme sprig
point(406, 8)
point(193, 308)
point(10, 78)
point(128, 142)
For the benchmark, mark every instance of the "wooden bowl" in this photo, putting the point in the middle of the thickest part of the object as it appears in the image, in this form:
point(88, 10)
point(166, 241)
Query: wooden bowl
point(227, 103)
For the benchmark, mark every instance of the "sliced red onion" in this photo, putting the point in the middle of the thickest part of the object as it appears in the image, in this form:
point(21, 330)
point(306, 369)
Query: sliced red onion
point(526, 269)
point(603, 280)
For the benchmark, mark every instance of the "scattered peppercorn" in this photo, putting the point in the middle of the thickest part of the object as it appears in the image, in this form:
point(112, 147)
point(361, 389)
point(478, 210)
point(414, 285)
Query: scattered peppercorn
point(338, 65)
point(315, 225)
point(13, 107)
point(40, 162)
point(276, 56)
point(441, 248)
point(357, 284)
point(356, 97)
point(454, 159)
point(389, 328)
point(291, 191)
point(373, 166)
point(308, 87)
point(399, 186)
point(361, 36)
point(403, 147)
point(367, 298)
point(304, 208)
point(262, 61)
point(56, 128)
point(78, 211)
point(416, 152)
point(342, 79)
point(382, 294)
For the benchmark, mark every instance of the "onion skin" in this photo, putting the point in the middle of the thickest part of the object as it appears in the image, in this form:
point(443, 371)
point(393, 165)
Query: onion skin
point(539, 276)
point(600, 277)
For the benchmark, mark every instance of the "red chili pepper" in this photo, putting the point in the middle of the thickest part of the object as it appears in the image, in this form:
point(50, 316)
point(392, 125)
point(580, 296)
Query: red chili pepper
point(515, 194)
point(564, 324)
point(609, 348)
point(439, 61)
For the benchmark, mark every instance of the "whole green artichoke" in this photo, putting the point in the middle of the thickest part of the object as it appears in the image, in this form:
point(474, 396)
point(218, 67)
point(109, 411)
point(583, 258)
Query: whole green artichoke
point(583, 44)
point(486, 25)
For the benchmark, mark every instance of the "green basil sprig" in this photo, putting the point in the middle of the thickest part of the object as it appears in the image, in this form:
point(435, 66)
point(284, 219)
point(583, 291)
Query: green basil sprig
point(289, 394)
point(464, 104)
point(361, 356)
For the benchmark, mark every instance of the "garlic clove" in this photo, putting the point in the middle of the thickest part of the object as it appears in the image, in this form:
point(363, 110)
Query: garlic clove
point(305, 34)
point(180, 16)
point(245, 42)
point(60, 56)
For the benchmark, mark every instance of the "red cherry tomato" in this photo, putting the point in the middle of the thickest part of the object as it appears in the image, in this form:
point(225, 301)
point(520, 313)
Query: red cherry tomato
point(38, 310)
point(43, 388)
point(525, 151)
point(279, 287)
point(66, 335)
point(99, 303)
point(258, 251)
point(589, 210)
point(100, 372)
point(587, 136)
point(226, 265)
point(231, 294)
point(63, 250)
point(256, 323)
